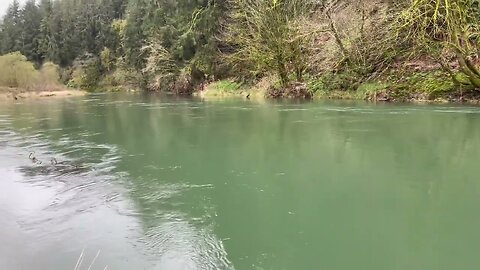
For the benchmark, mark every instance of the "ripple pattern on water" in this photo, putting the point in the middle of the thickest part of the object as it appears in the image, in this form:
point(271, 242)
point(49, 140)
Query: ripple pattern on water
point(80, 183)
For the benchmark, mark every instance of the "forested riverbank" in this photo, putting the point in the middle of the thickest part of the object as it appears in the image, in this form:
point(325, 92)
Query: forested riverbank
point(376, 50)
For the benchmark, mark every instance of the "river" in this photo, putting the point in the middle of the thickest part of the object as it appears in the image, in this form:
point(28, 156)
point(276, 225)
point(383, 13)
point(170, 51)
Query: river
point(133, 181)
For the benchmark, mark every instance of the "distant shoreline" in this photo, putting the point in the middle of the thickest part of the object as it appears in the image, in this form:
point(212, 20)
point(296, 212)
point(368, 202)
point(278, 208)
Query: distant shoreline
point(16, 93)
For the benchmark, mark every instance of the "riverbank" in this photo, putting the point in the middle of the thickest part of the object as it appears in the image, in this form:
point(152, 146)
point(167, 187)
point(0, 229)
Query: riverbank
point(419, 87)
point(432, 86)
point(230, 89)
point(17, 93)
point(394, 96)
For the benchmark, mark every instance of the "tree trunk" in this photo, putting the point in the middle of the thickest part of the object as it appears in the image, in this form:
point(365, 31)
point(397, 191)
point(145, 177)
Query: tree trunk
point(336, 35)
point(472, 75)
point(282, 72)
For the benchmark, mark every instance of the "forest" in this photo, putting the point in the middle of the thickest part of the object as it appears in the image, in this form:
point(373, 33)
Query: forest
point(369, 49)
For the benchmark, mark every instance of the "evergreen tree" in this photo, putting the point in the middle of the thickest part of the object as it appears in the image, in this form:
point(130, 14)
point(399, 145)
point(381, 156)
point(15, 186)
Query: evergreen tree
point(135, 35)
point(30, 31)
point(63, 31)
point(11, 29)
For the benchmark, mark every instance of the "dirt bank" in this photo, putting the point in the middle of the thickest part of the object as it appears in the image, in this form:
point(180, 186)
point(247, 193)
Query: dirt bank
point(16, 94)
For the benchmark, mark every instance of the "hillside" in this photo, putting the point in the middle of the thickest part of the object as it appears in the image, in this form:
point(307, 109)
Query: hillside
point(369, 49)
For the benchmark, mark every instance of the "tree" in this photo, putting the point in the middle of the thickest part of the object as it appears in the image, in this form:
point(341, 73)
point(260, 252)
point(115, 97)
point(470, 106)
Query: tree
point(30, 32)
point(135, 36)
point(264, 35)
point(439, 28)
point(11, 29)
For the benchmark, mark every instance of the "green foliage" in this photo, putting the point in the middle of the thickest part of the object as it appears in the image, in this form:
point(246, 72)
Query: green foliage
point(49, 73)
point(30, 34)
point(134, 35)
point(86, 72)
point(316, 85)
point(265, 37)
point(11, 29)
point(343, 86)
point(227, 86)
point(405, 87)
point(60, 30)
point(436, 27)
point(427, 84)
point(161, 67)
point(107, 60)
point(178, 45)
point(17, 72)
point(432, 82)
point(371, 87)
point(122, 79)
point(341, 81)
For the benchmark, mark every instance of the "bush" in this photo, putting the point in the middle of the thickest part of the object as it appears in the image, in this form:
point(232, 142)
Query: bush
point(122, 79)
point(17, 72)
point(49, 76)
point(86, 72)
point(107, 59)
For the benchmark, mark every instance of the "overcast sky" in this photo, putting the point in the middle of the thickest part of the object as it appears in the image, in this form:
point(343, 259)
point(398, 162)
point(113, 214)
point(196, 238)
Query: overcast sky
point(4, 5)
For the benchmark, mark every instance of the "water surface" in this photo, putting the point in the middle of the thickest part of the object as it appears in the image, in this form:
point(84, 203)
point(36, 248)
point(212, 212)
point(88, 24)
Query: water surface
point(159, 183)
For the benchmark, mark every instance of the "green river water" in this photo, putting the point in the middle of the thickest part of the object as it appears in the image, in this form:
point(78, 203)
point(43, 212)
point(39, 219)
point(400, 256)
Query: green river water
point(160, 183)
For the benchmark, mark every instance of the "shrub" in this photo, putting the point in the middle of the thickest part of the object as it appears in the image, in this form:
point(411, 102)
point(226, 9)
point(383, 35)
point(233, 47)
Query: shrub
point(122, 79)
point(266, 37)
point(161, 67)
point(49, 76)
point(107, 59)
point(17, 72)
point(87, 72)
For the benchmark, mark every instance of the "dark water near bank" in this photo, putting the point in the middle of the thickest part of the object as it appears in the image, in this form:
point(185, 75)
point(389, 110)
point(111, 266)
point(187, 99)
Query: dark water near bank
point(155, 183)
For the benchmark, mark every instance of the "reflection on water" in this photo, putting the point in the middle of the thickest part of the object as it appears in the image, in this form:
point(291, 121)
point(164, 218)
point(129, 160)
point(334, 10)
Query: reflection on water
point(157, 183)
point(72, 197)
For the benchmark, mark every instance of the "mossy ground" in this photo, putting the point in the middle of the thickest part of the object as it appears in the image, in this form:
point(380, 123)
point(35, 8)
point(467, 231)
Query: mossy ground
point(425, 86)
point(231, 88)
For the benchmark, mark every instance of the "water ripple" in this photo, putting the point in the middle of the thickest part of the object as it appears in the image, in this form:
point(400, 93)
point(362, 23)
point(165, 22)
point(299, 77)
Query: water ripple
point(79, 191)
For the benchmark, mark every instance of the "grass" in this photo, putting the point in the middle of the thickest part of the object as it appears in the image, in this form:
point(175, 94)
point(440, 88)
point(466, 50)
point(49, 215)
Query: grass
point(225, 86)
point(363, 91)
point(230, 88)
point(398, 86)
point(406, 86)
point(433, 84)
